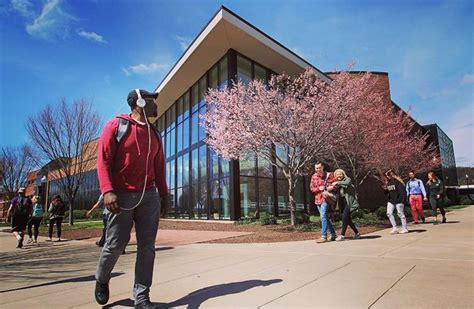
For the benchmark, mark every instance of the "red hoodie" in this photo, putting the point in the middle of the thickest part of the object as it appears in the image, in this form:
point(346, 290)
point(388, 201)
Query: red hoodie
point(121, 166)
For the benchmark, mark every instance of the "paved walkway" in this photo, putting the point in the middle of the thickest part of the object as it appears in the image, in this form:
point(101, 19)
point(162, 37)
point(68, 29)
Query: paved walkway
point(431, 267)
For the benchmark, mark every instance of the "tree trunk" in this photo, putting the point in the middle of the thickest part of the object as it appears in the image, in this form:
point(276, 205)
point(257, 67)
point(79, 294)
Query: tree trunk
point(291, 196)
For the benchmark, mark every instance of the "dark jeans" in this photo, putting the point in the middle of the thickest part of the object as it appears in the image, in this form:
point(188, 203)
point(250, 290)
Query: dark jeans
point(347, 220)
point(34, 222)
point(437, 203)
point(58, 221)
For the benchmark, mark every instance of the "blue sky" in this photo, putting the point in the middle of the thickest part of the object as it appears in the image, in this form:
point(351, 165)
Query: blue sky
point(102, 49)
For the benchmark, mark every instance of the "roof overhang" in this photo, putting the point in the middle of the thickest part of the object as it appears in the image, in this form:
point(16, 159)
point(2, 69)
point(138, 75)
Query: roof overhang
point(225, 31)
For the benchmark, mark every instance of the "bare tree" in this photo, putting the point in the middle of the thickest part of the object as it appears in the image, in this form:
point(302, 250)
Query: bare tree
point(64, 134)
point(15, 164)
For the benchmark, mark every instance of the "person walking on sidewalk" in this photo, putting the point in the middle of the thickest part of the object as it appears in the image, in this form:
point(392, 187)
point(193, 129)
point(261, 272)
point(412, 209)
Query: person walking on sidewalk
point(416, 194)
point(35, 219)
point(19, 212)
point(321, 185)
point(348, 202)
point(397, 196)
point(56, 212)
point(436, 195)
point(131, 170)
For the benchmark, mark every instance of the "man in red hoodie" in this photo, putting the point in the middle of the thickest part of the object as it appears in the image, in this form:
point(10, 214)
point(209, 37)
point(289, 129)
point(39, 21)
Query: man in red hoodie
point(131, 173)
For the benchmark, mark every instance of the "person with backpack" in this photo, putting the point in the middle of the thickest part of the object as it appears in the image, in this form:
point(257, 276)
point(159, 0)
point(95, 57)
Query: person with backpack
point(35, 219)
point(397, 195)
point(321, 186)
point(436, 195)
point(19, 212)
point(416, 194)
point(348, 202)
point(56, 212)
point(131, 172)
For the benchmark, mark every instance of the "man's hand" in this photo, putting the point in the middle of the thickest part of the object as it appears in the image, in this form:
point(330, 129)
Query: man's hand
point(88, 213)
point(163, 206)
point(111, 202)
point(425, 198)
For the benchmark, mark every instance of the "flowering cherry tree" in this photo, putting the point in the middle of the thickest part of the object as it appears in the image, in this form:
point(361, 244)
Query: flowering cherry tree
point(303, 115)
point(379, 137)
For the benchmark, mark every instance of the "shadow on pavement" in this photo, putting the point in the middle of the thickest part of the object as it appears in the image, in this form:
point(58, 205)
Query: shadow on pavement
point(77, 279)
point(417, 231)
point(156, 249)
point(369, 237)
point(450, 222)
point(196, 298)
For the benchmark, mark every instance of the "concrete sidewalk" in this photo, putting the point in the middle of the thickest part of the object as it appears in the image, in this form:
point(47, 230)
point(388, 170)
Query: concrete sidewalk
point(431, 267)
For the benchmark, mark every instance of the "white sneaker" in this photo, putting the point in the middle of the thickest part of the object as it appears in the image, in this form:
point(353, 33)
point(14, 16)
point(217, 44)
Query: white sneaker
point(403, 231)
point(394, 231)
point(356, 236)
point(340, 238)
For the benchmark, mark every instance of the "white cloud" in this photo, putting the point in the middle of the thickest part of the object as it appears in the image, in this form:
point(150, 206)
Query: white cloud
point(144, 68)
point(91, 36)
point(52, 23)
point(468, 79)
point(23, 7)
point(183, 42)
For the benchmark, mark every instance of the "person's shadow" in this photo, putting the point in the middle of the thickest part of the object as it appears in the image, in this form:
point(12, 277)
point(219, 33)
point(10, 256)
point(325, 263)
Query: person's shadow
point(196, 298)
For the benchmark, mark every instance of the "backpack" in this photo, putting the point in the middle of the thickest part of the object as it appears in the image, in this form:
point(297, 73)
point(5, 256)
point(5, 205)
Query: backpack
point(123, 126)
point(22, 207)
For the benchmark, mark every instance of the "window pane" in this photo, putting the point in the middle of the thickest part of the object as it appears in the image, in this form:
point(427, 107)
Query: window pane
point(265, 168)
point(202, 131)
point(260, 73)
point(202, 200)
point(282, 197)
point(173, 115)
point(186, 105)
point(202, 163)
point(186, 133)
point(244, 69)
point(172, 204)
point(224, 166)
point(223, 73)
point(172, 173)
point(180, 137)
point(213, 77)
point(247, 166)
point(186, 169)
point(196, 211)
point(299, 194)
point(215, 200)
point(180, 109)
point(195, 128)
point(214, 164)
point(172, 142)
point(225, 198)
point(180, 172)
point(202, 91)
point(248, 197)
point(266, 195)
point(195, 97)
point(195, 166)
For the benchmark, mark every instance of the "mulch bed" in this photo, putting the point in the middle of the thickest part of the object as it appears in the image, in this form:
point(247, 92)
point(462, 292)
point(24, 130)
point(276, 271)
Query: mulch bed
point(261, 234)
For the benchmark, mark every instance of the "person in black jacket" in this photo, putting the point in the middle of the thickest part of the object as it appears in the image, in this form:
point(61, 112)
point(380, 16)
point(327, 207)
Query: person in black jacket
point(397, 196)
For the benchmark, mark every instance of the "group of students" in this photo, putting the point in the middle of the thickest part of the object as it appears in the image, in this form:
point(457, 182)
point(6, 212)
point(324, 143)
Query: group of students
point(26, 213)
point(336, 190)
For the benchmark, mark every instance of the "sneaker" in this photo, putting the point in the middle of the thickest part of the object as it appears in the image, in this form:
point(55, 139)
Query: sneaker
point(332, 238)
point(29, 241)
point(321, 240)
point(403, 231)
point(415, 222)
point(19, 243)
point(394, 231)
point(49, 239)
point(101, 293)
point(145, 305)
point(356, 236)
point(423, 219)
point(444, 220)
point(340, 238)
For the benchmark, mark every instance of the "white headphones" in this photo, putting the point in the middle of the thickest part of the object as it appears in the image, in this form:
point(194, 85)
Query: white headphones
point(140, 101)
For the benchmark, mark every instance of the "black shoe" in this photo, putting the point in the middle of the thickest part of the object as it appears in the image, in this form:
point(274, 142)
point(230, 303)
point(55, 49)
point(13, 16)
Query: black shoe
point(444, 220)
point(101, 293)
point(19, 243)
point(145, 305)
point(423, 219)
point(98, 244)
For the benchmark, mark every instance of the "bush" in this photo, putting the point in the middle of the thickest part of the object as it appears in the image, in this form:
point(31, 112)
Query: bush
point(96, 214)
point(381, 212)
point(267, 219)
point(78, 214)
point(465, 200)
point(302, 218)
point(368, 219)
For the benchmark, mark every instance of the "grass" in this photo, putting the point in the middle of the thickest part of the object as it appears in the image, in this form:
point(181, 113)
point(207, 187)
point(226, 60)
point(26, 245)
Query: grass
point(457, 207)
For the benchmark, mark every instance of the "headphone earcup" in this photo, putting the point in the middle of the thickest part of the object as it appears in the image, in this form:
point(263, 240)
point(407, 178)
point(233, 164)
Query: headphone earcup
point(141, 103)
